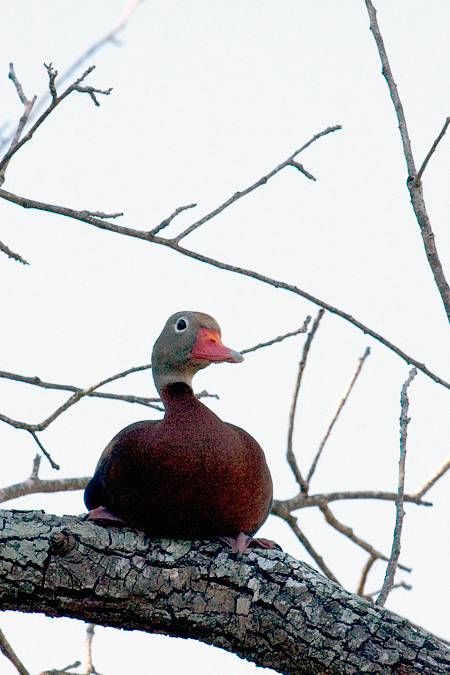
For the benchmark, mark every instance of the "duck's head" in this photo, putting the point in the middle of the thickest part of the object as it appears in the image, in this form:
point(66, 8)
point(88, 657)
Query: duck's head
point(189, 342)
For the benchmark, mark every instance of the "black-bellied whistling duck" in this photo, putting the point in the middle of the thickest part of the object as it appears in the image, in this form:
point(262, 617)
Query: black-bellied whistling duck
point(189, 475)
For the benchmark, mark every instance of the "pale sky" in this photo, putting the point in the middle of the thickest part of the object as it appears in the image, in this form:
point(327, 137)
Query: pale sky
point(207, 98)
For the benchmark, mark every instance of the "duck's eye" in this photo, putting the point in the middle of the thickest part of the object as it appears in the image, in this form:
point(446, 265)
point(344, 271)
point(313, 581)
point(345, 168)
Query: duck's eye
point(181, 325)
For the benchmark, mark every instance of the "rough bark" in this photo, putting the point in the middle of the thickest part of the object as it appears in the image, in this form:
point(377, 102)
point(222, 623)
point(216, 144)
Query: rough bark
point(266, 606)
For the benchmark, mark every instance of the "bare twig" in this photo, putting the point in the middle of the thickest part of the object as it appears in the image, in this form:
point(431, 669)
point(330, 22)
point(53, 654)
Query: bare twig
point(341, 404)
point(400, 511)
point(433, 148)
point(348, 532)
point(364, 574)
point(100, 214)
point(88, 666)
point(44, 451)
point(301, 367)
point(302, 170)
point(34, 485)
point(8, 651)
point(292, 522)
point(111, 36)
point(32, 428)
point(11, 254)
point(387, 73)
point(28, 106)
point(261, 181)
point(433, 479)
point(414, 184)
point(36, 465)
point(303, 501)
point(401, 584)
point(280, 338)
point(168, 220)
point(62, 671)
point(56, 100)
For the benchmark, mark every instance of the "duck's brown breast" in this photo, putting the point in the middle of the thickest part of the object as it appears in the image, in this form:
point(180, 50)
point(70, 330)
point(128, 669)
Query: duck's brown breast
point(188, 476)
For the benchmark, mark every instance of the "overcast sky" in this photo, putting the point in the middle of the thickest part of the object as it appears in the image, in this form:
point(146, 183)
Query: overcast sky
point(207, 98)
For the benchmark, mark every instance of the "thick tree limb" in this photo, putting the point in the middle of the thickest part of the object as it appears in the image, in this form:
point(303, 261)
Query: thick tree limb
point(266, 606)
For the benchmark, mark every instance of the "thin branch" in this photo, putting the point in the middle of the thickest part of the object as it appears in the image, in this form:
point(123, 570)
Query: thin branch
point(100, 214)
point(261, 181)
point(11, 254)
point(56, 100)
point(301, 367)
point(28, 106)
point(401, 584)
point(110, 36)
point(303, 501)
point(36, 466)
point(341, 404)
point(8, 651)
point(292, 522)
point(348, 532)
point(400, 511)
point(34, 484)
point(44, 451)
point(364, 574)
point(433, 148)
point(32, 428)
point(387, 73)
point(414, 184)
point(128, 398)
point(88, 666)
point(168, 220)
point(433, 479)
point(280, 338)
point(62, 671)
point(170, 243)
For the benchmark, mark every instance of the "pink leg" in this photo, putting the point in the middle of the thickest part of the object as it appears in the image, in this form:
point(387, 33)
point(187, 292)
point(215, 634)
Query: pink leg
point(102, 514)
point(245, 541)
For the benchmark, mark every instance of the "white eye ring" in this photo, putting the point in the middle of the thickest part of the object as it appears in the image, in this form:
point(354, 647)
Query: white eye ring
point(181, 325)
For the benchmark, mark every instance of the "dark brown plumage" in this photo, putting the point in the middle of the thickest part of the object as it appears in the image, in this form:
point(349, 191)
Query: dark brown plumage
point(189, 475)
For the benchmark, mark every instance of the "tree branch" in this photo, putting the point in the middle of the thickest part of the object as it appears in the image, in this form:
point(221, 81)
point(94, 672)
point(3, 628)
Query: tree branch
point(433, 148)
point(341, 404)
point(301, 367)
point(400, 511)
point(414, 184)
point(348, 532)
point(175, 246)
point(34, 484)
point(266, 606)
point(56, 100)
point(11, 254)
point(262, 181)
point(7, 650)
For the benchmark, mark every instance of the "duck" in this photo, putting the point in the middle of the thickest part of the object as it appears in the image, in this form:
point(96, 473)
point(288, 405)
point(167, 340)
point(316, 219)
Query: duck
point(189, 475)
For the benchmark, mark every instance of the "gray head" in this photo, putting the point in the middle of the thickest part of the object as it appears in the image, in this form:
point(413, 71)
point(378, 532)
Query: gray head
point(189, 342)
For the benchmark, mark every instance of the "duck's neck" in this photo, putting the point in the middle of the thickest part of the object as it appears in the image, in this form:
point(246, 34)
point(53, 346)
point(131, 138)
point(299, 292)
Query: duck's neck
point(177, 394)
point(164, 378)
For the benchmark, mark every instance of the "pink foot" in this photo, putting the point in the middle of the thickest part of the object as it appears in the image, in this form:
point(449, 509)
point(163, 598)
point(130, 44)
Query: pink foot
point(103, 515)
point(245, 541)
